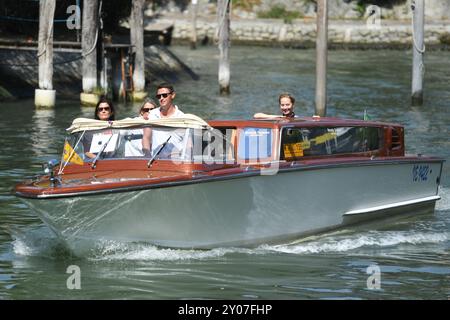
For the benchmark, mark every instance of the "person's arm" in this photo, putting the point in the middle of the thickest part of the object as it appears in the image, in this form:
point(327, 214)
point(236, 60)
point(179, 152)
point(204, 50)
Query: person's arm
point(90, 155)
point(86, 141)
point(147, 141)
point(261, 115)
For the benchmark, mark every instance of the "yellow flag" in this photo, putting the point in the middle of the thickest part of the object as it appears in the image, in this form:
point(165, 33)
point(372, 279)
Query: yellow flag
point(70, 155)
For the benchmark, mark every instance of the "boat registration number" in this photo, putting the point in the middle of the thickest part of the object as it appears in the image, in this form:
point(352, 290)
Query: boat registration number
point(420, 172)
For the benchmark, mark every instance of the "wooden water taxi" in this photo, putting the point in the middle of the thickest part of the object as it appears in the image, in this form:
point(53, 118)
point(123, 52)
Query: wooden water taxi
point(228, 182)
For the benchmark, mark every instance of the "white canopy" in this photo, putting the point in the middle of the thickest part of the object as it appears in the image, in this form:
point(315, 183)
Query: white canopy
point(187, 121)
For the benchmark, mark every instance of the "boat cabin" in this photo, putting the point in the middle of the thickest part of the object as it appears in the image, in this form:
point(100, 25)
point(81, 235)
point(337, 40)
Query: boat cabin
point(234, 142)
point(311, 138)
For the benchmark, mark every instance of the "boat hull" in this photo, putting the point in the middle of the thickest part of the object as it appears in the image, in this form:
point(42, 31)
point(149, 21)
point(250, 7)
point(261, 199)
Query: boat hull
point(247, 209)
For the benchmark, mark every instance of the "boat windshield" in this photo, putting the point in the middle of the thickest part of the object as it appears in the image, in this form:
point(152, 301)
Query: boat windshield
point(183, 144)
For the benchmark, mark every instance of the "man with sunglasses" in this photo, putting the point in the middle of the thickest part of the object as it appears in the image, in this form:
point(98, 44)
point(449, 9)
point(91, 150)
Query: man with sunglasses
point(165, 94)
point(153, 138)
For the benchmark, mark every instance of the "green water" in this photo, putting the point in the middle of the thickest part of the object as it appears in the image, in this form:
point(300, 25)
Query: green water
point(413, 254)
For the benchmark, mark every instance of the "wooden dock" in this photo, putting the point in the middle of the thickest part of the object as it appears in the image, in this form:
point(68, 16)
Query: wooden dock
point(154, 33)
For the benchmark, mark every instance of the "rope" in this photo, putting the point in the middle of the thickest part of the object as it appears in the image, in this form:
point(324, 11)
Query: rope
point(10, 18)
point(50, 30)
point(96, 34)
point(49, 36)
point(83, 55)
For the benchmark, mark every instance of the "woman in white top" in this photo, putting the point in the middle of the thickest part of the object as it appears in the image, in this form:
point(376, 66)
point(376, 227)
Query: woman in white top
point(133, 145)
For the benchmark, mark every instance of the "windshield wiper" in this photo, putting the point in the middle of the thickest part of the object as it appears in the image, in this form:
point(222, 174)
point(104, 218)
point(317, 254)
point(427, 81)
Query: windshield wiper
point(94, 163)
point(160, 148)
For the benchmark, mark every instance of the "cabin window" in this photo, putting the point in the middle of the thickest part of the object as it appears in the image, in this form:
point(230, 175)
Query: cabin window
point(300, 142)
point(396, 143)
point(214, 146)
point(255, 144)
point(112, 143)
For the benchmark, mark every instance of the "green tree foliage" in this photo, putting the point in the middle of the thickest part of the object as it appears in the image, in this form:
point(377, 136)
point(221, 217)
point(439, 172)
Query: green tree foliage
point(245, 4)
point(280, 12)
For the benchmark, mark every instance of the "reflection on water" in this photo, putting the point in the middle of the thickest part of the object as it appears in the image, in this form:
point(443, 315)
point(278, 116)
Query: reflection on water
point(43, 132)
point(413, 254)
point(87, 112)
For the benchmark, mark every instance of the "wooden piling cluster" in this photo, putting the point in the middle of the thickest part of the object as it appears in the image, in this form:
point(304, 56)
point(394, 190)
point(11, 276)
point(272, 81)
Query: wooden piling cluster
point(94, 80)
point(94, 60)
point(418, 9)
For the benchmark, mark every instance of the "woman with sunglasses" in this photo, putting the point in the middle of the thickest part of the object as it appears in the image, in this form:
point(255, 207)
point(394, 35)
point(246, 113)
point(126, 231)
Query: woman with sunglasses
point(133, 144)
point(104, 111)
point(147, 106)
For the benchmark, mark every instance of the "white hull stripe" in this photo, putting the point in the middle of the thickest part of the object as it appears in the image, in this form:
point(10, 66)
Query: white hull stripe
point(392, 205)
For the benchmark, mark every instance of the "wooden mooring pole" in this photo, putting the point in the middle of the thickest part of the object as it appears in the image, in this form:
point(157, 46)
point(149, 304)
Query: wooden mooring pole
point(45, 95)
point(321, 58)
point(223, 21)
point(89, 38)
point(102, 79)
point(137, 41)
point(418, 8)
point(194, 24)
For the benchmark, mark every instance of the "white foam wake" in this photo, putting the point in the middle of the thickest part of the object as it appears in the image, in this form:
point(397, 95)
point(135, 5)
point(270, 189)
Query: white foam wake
point(113, 250)
point(36, 242)
point(371, 239)
point(444, 203)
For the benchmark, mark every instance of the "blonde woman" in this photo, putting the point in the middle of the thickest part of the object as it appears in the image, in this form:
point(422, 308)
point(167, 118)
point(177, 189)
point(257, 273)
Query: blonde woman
point(286, 102)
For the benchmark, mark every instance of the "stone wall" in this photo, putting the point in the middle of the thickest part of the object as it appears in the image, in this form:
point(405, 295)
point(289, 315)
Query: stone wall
point(348, 9)
point(301, 34)
point(338, 9)
point(348, 25)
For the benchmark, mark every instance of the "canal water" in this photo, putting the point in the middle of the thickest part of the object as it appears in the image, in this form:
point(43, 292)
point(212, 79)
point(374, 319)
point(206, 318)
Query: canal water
point(412, 255)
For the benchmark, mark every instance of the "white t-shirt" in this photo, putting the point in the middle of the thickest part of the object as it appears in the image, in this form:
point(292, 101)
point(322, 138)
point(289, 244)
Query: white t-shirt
point(159, 136)
point(156, 113)
point(133, 144)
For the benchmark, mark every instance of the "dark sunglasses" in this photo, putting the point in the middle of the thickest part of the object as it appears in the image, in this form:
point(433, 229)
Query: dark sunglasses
point(163, 95)
point(146, 110)
point(103, 109)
